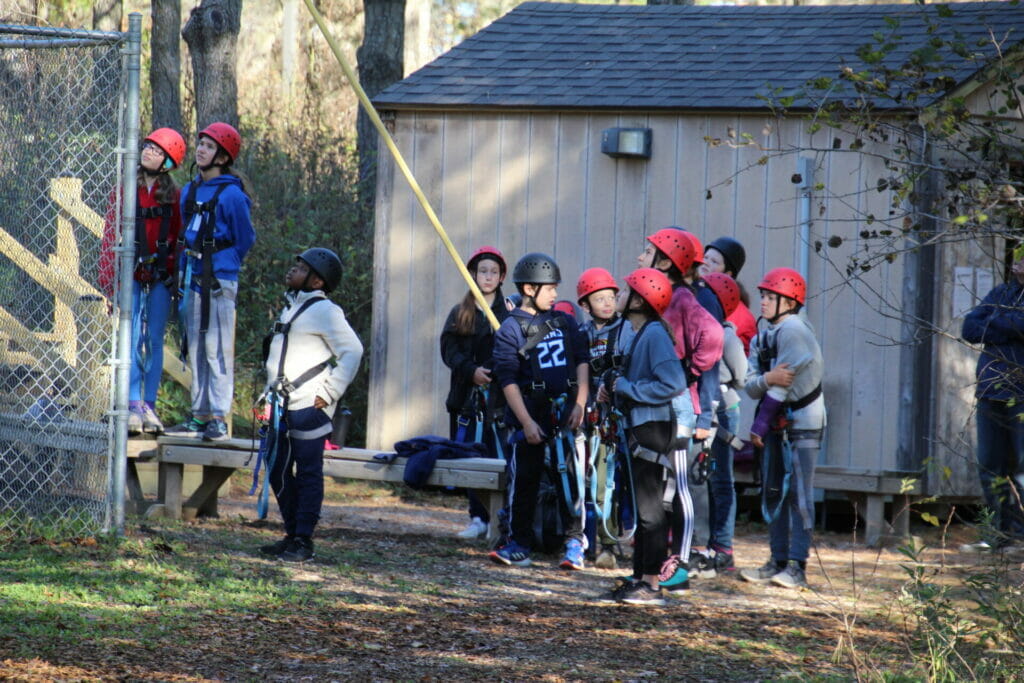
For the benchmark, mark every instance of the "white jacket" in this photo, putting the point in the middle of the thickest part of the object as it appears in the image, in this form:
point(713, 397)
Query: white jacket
point(318, 334)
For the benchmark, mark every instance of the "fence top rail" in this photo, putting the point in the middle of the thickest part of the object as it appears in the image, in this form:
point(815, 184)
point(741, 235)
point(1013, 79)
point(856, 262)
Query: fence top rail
point(60, 34)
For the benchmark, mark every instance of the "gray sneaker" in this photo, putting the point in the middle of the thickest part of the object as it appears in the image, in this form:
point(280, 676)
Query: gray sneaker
point(762, 574)
point(791, 577)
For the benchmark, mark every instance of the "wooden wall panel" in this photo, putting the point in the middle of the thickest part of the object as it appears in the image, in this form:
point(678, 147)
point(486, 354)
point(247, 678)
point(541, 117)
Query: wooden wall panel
point(574, 249)
point(663, 181)
point(601, 200)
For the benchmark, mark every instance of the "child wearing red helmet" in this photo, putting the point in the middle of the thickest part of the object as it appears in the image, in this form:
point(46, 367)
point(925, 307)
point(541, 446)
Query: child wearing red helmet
point(218, 234)
point(643, 388)
point(157, 225)
point(785, 374)
point(597, 292)
point(698, 342)
point(467, 348)
point(732, 376)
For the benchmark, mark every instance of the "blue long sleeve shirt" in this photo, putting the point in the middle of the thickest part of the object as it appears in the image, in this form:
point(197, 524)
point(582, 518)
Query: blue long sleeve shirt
point(233, 224)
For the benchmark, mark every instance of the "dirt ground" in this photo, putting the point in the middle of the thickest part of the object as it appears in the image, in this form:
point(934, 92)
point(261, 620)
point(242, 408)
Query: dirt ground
point(398, 597)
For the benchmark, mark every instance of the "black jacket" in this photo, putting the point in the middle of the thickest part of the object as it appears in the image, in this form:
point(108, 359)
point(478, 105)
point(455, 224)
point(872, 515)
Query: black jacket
point(465, 353)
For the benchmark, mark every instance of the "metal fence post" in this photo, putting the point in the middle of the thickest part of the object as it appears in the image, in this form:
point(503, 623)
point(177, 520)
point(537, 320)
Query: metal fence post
point(126, 263)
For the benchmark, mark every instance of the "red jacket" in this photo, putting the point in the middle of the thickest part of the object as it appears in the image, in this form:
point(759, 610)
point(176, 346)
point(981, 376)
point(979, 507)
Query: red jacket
point(147, 200)
point(746, 325)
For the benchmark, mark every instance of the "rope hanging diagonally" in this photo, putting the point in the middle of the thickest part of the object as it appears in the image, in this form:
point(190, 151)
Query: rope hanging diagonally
point(393, 148)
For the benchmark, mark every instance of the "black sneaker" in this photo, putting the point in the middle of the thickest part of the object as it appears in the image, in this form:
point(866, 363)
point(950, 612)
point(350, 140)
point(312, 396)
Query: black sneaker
point(277, 548)
point(719, 564)
point(620, 587)
point(641, 593)
point(216, 430)
point(191, 427)
point(299, 550)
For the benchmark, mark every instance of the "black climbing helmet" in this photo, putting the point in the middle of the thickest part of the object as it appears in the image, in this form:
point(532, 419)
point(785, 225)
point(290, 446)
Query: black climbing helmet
point(324, 263)
point(536, 269)
point(732, 251)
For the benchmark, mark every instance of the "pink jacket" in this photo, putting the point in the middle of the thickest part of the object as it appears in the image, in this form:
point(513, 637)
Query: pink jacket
point(699, 338)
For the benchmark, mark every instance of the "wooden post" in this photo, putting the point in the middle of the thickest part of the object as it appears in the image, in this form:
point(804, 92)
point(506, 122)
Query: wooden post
point(91, 374)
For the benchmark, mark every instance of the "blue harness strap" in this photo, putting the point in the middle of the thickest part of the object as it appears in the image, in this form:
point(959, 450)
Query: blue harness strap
point(776, 470)
point(622, 450)
point(142, 353)
point(561, 442)
point(184, 308)
point(267, 456)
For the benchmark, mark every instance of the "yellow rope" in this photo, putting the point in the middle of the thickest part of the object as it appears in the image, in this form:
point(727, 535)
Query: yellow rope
point(379, 125)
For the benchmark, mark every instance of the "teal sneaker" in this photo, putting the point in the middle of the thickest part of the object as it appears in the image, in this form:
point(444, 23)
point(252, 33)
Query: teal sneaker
point(674, 575)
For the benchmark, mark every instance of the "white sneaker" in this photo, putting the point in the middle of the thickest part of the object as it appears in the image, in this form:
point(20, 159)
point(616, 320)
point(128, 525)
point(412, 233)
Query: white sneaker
point(476, 529)
point(977, 547)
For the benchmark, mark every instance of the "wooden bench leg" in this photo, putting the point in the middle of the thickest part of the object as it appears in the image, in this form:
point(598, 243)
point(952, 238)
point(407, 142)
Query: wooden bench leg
point(134, 486)
point(204, 499)
point(170, 481)
point(874, 519)
point(495, 501)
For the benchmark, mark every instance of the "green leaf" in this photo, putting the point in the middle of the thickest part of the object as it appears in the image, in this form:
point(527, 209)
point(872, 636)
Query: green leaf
point(947, 472)
point(960, 220)
point(930, 518)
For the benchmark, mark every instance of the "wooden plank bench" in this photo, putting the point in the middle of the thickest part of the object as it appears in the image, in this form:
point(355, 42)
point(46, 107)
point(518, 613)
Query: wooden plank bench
point(867, 490)
point(219, 460)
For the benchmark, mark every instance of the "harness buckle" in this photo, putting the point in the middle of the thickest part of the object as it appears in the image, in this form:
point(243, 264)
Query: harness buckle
point(282, 386)
point(280, 327)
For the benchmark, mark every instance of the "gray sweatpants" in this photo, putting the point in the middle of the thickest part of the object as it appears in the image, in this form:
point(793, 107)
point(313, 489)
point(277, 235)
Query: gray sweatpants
point(211, 355)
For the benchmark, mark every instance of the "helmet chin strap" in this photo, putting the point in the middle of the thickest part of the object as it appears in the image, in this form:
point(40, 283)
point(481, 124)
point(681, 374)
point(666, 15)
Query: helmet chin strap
point(778, 314)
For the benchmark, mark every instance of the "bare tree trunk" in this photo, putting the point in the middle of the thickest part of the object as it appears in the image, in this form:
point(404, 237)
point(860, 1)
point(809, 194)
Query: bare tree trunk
point(380, 65)
point(289, 48)
point(106, 15)
point(165, 64)
point(211, 34)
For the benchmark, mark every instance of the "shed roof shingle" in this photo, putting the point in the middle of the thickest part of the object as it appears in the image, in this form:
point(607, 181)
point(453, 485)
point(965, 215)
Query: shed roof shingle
point(685, 57)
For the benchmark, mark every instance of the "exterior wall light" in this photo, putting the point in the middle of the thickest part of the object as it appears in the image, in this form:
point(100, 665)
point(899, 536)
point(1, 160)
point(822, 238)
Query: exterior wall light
point(630, 143)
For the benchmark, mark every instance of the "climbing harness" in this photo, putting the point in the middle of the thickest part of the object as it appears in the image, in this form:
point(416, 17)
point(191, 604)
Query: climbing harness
point(277, 400)
point(207, 247)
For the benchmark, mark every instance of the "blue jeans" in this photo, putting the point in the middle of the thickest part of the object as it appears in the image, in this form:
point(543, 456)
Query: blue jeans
point(721, 488)
point(790, 531)
point(144, 382)
point(1001, 465)
point(297, 476)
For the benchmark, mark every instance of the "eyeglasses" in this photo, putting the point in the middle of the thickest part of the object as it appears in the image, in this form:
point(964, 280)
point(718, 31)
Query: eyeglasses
point(151, 146)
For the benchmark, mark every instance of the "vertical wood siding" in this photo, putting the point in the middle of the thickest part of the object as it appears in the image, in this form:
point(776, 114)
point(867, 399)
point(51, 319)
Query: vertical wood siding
point(538, 182)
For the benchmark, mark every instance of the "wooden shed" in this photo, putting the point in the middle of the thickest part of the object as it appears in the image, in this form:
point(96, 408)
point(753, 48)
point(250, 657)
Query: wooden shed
point(504, 133)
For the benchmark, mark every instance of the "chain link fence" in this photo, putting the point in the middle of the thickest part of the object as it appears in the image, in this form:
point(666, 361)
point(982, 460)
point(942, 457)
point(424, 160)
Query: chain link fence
point(62, 131)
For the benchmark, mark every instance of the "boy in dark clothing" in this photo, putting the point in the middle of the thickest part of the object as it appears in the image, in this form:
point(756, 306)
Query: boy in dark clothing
point(998, 323)
point(540, 362)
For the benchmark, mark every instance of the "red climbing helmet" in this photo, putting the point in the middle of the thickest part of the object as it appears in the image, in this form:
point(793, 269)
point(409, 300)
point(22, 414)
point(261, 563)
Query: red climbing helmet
point(594, 280)
point(566, 307)
point(226, 136)
point(726, 289)
point(676, 246)
point(492, 252)
point(698, 249)
point(785, 282)
point(652, 286)
point(171, 142)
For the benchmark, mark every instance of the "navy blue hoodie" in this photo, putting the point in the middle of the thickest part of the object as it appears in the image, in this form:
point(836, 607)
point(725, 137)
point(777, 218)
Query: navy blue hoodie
point(998, 323)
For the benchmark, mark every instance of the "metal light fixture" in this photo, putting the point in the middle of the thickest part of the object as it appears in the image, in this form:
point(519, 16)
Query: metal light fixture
point(630, 143)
